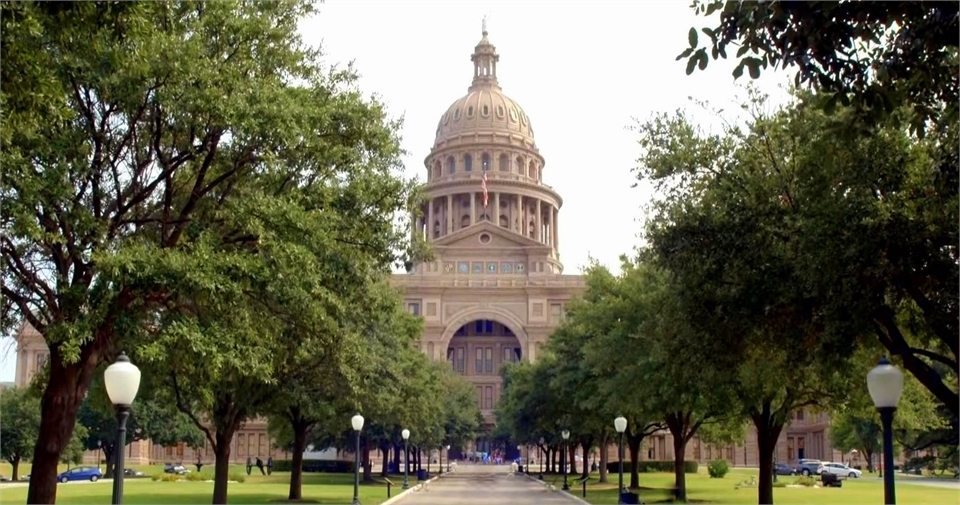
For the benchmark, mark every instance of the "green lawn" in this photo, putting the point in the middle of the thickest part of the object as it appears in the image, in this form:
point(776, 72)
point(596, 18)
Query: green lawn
point(656, 488)
point(317, 488)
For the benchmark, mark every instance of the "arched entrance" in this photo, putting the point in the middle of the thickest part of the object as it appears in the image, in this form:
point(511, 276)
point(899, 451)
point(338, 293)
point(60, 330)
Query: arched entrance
point(476, 346)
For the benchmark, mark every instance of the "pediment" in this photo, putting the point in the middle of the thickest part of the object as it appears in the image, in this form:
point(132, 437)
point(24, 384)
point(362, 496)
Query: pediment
point(499, 238)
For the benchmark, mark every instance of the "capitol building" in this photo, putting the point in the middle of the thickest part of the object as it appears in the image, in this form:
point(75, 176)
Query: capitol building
point(495, 289)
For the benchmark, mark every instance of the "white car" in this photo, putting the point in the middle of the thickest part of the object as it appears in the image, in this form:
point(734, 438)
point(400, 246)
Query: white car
point(841, 470)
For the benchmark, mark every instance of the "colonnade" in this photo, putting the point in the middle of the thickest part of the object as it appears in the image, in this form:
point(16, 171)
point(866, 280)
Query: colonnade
point(529, 216)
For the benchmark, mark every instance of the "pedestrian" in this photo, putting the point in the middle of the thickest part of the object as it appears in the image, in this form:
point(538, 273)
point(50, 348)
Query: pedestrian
point(249, 465)
point(260, 465)
point(270, 465)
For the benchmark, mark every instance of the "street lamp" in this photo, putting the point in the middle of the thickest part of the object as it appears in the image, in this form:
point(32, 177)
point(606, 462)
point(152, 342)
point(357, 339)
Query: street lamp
point(563, 458)
point(357, 423)
point(122, 380)
point(406, 458)
point(885, 383)
point(441, 456)
point(620, 423)
point(520, 456)
point(541, 451)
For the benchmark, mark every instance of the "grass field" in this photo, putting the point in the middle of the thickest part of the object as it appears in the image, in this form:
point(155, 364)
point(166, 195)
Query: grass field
point(317, 488)
point(656, 488)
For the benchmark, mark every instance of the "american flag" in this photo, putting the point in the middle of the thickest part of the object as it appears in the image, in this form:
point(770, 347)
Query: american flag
point(483, 184)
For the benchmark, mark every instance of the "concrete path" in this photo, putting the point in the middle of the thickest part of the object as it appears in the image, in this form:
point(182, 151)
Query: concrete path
point(484, 484)
point(921, 481)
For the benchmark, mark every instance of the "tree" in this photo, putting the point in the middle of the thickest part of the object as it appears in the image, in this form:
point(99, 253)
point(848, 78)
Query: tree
point(73, 454)
point(846, 50)
point(143, 181)
point(21, 426)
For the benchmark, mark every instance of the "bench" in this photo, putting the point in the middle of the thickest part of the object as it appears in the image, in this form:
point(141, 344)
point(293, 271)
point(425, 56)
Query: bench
point(390, 484)
point(583, 482)
point(830, 480)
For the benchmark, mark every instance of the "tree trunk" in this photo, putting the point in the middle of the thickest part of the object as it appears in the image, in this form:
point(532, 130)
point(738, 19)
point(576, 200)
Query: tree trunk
point(585, 445)
point(59, 405)
point(572, 457)
point(15, 469)
point(221, 469)
point(296, 469)
point(365, 459)
point(768, 431)
point(680, 475)
point(109, 456)
point(633, 444)
point(385, 463)
point(604, 442)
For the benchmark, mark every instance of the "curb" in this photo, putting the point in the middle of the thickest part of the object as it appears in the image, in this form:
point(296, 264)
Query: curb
point(575, 498)
point(414, 489)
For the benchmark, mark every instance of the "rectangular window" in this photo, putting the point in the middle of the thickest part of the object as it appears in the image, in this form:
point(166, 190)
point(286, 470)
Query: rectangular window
point(169, 450)
point(516, 354)
point(488, 362)
point(556, 313)
point(488, 327)
point(730, 454)
point(800, 415)
point(241, 444)
point(696, 450)
point(450, 356)
point(414, 308)
point(507, 355)
point(790, 449)
point(479, 368)
point(461, 362)
point(478, 327)
point(480, 396)
point(488, 397)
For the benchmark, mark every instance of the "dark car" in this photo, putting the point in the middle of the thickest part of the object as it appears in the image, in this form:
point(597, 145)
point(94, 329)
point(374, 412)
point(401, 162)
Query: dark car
point(784, 469)
point(175, 469)
point(808, 467)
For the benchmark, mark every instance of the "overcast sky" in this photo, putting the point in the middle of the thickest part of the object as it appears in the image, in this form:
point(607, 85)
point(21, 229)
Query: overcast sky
point(583, 72)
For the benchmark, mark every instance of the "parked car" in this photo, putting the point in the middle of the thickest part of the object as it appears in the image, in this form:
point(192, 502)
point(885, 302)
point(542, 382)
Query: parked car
point(25, 477)
point(90, 473)
point(177, 469)
point(842, 470)
point(784, 469)
point(130, 472)
point(809, 467)
point(4, 478)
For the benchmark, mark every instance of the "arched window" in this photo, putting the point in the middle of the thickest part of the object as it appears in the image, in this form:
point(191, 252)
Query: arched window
point(451, 164)
point(485, 161)
point(504, 163)
point(519, 165)
point(532, 171)
point(436, 170)
point(532, 228)
point(467, 162)
point(503, 221)
point(465, 221)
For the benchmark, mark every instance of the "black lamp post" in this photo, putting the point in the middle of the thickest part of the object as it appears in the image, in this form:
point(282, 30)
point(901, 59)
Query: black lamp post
point(620, 423)
point(885, 383)
point(563, 458)
point(122, 380)
point(99, 448)
point(357, 423)
point(406, 458)
point(540, 450)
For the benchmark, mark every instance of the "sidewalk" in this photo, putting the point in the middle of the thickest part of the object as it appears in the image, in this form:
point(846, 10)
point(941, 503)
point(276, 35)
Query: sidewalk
point(485, 484)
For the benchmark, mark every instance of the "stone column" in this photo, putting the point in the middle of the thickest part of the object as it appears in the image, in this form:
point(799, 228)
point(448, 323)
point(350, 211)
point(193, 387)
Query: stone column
point(539, 231)
point(495, 215)
point(473, 208)
point(554, 227)
point(523, 220)
point(449, 214)
point(430, 219)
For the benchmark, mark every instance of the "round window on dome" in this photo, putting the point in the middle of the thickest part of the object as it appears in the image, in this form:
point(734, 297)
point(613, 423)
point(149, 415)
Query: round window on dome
point(456, 115)
point(513, 114)
point(500, 111)
point(485, 111)
point(470, 111)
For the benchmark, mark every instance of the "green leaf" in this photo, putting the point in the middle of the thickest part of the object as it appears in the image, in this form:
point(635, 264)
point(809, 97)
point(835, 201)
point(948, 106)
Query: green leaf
point(704, 59)
point(738, 71)
point(692, 37)
point(692, 64)
point(685, 54)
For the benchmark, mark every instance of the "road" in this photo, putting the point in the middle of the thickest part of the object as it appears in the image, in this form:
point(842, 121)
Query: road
point(484, 484)
point(920, 481)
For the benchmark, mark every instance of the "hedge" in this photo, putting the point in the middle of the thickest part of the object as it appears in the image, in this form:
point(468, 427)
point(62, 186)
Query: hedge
point(315, 466)
point(650, 466)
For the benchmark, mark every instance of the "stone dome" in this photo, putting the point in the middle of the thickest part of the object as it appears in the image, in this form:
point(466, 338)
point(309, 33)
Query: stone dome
point(484, 109)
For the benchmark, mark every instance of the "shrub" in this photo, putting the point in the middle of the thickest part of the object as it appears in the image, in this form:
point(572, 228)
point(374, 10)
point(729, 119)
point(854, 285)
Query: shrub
point(237, 477)
point(314, 465)
point(651, 466)
point(718, 468)
point(167, 477)
point(779, 483)
point(198, 477)
point(806, 481)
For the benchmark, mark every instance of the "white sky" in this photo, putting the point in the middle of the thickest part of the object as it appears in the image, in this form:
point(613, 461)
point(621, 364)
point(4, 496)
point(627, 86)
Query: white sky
point(581, 70)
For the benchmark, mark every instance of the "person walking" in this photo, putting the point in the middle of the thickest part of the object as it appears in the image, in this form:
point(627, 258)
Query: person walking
point(260, 466)
point(249, 465)
point(270, 465)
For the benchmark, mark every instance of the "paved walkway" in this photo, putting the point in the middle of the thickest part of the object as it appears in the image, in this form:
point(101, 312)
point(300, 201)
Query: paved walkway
point(484, 484)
